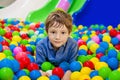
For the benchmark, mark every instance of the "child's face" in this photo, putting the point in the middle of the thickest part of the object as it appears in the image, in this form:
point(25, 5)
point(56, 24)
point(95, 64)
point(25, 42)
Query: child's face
point(58, 35)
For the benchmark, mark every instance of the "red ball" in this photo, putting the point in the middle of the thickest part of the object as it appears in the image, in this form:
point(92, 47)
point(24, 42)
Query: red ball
point(23, 47)
point(24, 36)
point(88, 64)
point(5, 43)
point(89, 52)
point(20, 55)
point(8, 35)
point(117, 46)
point(113, 32)
point(103, 31)
point(33, 66)
point(58, 71)
point(99, 55)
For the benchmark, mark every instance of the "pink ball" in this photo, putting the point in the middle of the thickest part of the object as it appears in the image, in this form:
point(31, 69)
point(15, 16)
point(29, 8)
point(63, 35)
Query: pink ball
point(6, 48)
point(118, 36)
point(96, 39)
point(17, 50)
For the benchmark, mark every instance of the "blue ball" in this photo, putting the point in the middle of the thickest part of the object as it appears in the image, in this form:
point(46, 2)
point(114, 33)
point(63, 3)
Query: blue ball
point(54, 77)
point(29, 49)
point(94, 73)
point(15, 77)
point(6, 63)
point(113, 63)
point(34, 74)
point(114, 41)
point(104, 59)
point(15, 66)
point(1, 38)
point(75, 66)
point(82, 52)
point(31, 58)
point(100, 50)
point(21, 73)
point(12, 46)
point(1, 48)
point(105, 45)
point(65, 66)
point(112, 53)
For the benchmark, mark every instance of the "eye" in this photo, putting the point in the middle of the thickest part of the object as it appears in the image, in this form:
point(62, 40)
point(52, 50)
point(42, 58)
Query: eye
point(53, 32)
point(63, 32)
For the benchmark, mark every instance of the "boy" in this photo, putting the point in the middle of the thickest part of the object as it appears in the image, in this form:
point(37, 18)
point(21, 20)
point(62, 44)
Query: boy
point(58, 46)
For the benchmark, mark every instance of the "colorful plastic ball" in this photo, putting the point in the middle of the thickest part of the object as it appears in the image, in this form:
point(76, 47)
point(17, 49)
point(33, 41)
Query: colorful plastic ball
point(16, 38)
point(81, 42)
point(82, 58)
point(6, 74)
point(82, 52)
point(118, 36)
point(83, 47)
point(24, 42)
point(113, 32)
point(46, 66)
point(94, 47)
point(104, 72)
point(43, 78)
point(15, 65)
point(2, 31)
point(64, 65)
point(97, 78)
point(114, 75)
point(54, 77)
point(99, 65)
point(32, 59)
point(6, 48)
point(106, 38)
point(75, 75)
point(113, 63)
point(58, 71)
point(117, 46)
point(112, 53)
point(96, 39)
point(94, 60)
point(85, 37)
point(104, 44)
point(86, 70)
point(15, 33)
point(99, 55)
point(114, 41)
point(33, 66)
point(20, 55)
point(24, 78)
point(6, 63)
point(7, 52)
point(118, 56)
point(2, 56)
point(75, 66)
point(1, 38)
point(104, 59)
point(93, 73)
point(17, 50)
point(34, 74)
point(15, 77)
point(100, 50)
point(1, 47)
point(88, 64)
point(5, 43)
point(20, 73)
point(27, 72)
point(84, 77)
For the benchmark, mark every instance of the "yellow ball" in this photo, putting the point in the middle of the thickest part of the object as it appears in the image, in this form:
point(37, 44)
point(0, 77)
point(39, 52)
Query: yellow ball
point(85, 70)
point(85, 37)
point(75, 75)
point(2, 56)
point(24, 78)
point(14, 43)
point(94, 60)
point(106, 38)
point(16, 38)
point(99, 65)
point(83, 47)
point(118, 26)
point(94, 47)
point(93, 34)
point(97, 78)
point(43, 78)
point(84, 77)
point(118, 69)
point(109, 27)
point(80, 27)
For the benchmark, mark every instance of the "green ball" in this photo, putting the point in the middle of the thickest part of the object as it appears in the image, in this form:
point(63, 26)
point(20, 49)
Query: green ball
point(7, 52)
point(33, 47)
point(2, 31)
point(15, 33)
point(114, 75)
point(104, 72)
point(6, 74)
point(10, 57)
point(118, 56)
point(82, 58)
point(46, 66)
point(26, 71)
point(24, 42)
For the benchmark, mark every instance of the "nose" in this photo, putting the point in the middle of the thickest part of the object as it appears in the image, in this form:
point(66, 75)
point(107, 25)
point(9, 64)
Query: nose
point(57, 36)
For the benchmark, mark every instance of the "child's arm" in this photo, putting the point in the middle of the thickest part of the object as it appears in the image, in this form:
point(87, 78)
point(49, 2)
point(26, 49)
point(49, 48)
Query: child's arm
point(67, 75)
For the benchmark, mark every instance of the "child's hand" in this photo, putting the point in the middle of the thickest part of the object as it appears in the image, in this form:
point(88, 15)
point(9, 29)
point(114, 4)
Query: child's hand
point(47, 73)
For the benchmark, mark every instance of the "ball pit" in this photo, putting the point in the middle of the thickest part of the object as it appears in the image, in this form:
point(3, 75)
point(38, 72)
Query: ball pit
point(99, 50)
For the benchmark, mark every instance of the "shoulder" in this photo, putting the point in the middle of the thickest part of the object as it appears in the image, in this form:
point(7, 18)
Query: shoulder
point(42, 42)
point(72, 41)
